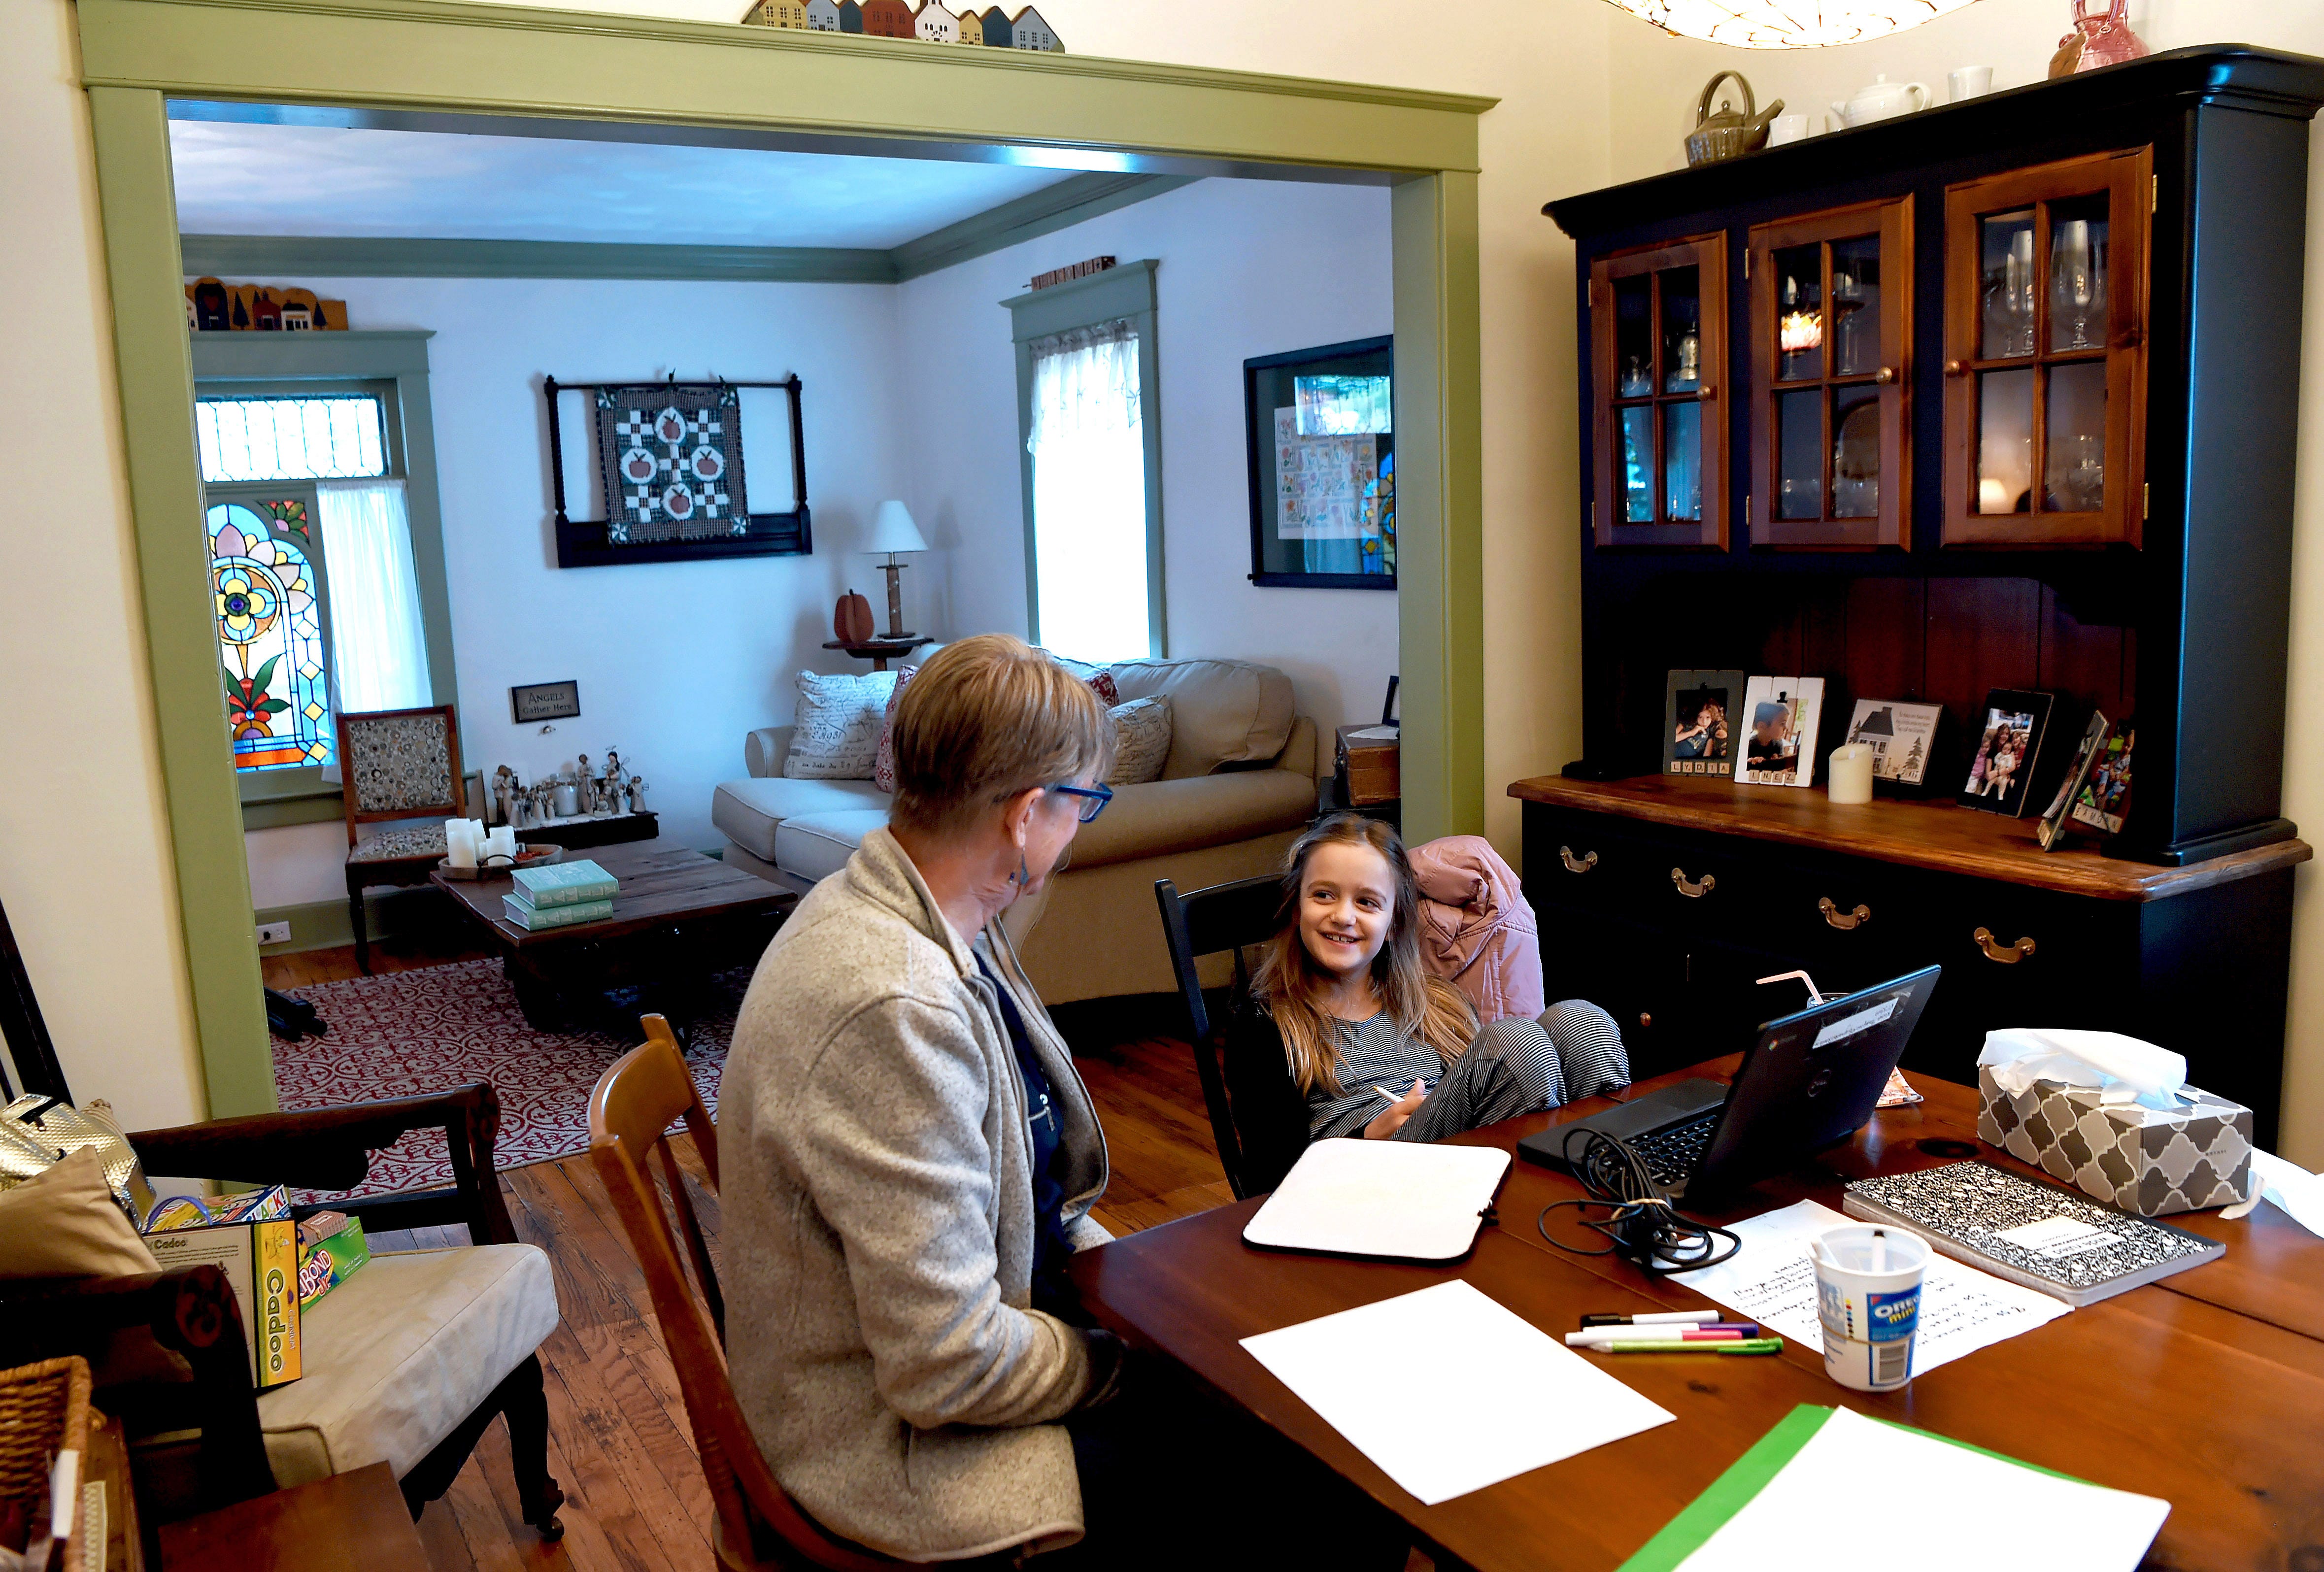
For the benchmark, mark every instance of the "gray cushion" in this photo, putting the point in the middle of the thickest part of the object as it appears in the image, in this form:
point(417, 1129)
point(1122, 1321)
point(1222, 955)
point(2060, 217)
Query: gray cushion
point(1166, 816)
point(1221, 711)
point(817, 845)
point(747, 812)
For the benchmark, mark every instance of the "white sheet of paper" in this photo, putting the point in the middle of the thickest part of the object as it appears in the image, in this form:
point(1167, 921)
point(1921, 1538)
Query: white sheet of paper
point(1771, 1281)
point(1449, 1391)
point(1861, 1491)
point(1410, 1199)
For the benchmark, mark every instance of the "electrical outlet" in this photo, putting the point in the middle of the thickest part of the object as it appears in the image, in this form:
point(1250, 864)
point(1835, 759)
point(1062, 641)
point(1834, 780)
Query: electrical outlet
point(274, 932)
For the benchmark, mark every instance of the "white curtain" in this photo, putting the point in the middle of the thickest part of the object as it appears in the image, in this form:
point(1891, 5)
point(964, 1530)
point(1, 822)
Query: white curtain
point(1088, 444)
point(379, 647)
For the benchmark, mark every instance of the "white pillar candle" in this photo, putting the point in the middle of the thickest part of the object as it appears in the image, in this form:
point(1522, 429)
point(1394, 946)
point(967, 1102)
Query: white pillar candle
point(1849, 777)
point(460, 850)
point(500, 842)
point(568, 799)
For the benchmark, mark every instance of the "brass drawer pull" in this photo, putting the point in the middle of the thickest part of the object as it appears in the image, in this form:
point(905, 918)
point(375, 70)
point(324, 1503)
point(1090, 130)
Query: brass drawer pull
point(1581, 864)
point(2007, 954)
point(1691, 889)
point(1844, 920)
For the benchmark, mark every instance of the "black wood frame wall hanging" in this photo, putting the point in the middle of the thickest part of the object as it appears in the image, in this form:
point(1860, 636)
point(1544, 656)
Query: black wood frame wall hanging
point(1334, 486)
point(679, 507)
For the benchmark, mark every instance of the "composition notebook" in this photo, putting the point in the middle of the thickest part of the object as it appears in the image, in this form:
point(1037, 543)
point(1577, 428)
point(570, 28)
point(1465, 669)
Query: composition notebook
point(1408, 1199)
point(2055, 1241)
point(1829, 1487)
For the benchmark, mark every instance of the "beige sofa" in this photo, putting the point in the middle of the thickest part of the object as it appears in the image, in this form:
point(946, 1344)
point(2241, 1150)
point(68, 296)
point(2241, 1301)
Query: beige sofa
point(1239, 785)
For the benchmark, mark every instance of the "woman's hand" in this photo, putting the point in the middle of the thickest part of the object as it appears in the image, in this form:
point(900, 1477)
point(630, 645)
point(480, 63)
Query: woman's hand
point(1391, 1118)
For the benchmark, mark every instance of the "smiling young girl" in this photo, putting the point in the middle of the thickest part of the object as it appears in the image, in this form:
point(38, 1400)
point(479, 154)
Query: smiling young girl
point(1372, 1043)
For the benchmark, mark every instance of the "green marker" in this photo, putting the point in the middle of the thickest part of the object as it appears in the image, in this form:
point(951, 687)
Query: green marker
point(1741, 1345)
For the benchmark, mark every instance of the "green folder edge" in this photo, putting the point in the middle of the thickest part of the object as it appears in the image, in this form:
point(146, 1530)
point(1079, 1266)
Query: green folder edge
point(1729, 1494)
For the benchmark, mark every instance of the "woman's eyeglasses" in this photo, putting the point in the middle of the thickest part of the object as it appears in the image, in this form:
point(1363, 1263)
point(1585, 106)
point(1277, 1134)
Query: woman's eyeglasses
point(1094, 798)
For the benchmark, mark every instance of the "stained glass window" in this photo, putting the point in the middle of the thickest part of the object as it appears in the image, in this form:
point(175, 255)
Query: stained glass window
point(335, 437)
point(277, 704)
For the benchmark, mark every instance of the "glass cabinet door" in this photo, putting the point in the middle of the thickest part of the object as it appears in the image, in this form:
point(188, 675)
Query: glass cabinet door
point(2045, 370)
point(1659, 343)
point(1832, 335)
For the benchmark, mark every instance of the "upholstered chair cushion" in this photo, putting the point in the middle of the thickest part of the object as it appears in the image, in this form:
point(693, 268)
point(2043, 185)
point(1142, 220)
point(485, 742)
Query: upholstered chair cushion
point(1221, 711)
point(396, 845)
point(399, 761)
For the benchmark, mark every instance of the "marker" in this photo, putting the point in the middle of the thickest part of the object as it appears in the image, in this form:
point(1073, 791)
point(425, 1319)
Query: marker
point(1658, 1318)
point(1705, 1346)
point(1600, 1337)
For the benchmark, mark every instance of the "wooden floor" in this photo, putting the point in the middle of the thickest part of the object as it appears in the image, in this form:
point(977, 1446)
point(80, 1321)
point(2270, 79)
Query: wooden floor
point(619, 1442)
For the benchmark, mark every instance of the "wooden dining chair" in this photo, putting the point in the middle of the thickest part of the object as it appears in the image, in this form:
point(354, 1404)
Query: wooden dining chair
point(757, 1527)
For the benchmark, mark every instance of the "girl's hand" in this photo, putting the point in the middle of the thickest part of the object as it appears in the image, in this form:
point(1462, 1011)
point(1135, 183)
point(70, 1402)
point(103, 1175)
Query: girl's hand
point(1391, 1118)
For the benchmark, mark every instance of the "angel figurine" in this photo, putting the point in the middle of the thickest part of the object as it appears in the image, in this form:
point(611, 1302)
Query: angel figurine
point(636, 794)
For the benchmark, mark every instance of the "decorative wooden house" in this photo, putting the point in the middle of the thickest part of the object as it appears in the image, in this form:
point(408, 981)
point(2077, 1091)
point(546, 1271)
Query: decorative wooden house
point(932, 23)
point(822, 15)
point(850, 16)
point(777, 13)
point(888, 19)
point(972, 26)
point(996, 28)
point(1031, 29)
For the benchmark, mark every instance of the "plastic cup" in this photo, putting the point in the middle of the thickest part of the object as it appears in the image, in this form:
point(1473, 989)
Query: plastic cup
point(1868, 1297)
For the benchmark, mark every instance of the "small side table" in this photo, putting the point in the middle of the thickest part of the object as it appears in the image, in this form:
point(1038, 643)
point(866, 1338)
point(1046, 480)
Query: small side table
point(348, 1522)
point(879, 651)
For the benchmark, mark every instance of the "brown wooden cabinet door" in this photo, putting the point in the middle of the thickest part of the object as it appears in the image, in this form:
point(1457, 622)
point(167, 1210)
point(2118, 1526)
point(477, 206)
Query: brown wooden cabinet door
point(2045, 360)
point(1658, 331)
point(1831, 338)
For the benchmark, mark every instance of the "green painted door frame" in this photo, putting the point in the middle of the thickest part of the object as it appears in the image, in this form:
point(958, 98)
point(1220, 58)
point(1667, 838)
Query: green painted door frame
point(447, 57)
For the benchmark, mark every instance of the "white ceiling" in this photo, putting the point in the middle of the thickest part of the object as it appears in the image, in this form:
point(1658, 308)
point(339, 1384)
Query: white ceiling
point(236, 179)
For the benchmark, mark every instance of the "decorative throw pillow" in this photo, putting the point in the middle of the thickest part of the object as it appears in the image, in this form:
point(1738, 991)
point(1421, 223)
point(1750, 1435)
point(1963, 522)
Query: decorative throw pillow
point(838, 726)
point(63, 1222)
point(883, 769)
point(1141, 741)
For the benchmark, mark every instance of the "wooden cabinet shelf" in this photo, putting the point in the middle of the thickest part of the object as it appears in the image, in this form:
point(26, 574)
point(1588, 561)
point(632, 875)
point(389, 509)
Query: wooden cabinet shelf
point(1659, 354)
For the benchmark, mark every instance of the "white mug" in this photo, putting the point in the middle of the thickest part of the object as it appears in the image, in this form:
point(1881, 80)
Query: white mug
point(1786, 128)
point(1970, 82)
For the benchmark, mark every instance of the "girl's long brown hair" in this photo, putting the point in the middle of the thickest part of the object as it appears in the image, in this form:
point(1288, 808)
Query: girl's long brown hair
point(1290, 985)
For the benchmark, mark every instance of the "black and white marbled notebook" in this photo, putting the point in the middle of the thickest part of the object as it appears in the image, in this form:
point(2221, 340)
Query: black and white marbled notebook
point(2050, 1239)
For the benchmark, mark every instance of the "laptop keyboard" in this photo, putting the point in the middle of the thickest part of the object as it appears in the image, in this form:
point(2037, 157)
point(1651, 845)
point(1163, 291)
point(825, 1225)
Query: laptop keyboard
point(1671, 1152)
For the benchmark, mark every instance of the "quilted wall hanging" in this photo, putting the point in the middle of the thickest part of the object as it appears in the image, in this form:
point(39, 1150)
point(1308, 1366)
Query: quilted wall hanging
point(673, 487)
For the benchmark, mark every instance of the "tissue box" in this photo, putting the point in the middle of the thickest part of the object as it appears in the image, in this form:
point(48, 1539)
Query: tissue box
point(2148, 1161)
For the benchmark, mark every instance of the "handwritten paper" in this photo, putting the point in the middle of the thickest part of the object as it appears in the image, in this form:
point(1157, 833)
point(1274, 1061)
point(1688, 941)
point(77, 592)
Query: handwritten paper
point(1771, 1281)
point(1495, 1396)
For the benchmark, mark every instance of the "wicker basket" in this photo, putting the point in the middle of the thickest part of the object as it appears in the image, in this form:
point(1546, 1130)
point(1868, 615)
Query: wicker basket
point(43, 1409)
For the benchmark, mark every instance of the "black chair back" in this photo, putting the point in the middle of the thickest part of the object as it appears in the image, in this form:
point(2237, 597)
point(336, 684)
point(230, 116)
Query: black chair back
point(1225, 916)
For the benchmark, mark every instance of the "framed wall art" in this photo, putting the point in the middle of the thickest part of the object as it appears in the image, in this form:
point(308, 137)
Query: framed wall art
point(665, 462)
point(1321, 432)
point(545, 701)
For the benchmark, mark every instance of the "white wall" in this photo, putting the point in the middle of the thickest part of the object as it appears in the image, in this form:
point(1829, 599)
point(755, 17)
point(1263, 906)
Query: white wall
point(675, 661)
point(1249, 268)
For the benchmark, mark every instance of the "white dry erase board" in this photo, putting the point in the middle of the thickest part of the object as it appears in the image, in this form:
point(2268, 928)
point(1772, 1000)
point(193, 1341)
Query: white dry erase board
point(1406, 1199)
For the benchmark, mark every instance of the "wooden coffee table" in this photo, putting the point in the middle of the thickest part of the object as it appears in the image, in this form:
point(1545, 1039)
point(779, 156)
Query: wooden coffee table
point(678, 918)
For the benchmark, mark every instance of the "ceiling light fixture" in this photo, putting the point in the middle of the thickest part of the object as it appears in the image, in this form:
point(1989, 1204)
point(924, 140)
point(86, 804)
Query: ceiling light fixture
point(1775, 25)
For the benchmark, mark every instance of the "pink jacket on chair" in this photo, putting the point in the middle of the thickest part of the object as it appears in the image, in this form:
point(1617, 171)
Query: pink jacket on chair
point(1476, 929)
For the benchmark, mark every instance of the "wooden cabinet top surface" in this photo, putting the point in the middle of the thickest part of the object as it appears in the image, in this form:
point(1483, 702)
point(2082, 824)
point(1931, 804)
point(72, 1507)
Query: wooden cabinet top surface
point(1938, 835)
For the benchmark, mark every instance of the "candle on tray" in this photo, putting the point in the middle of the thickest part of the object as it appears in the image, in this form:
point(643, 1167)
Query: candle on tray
point(460, 847)
point(1849, 777)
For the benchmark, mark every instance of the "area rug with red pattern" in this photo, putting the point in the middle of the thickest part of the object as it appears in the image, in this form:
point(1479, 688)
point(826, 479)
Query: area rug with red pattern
point(441, 1026)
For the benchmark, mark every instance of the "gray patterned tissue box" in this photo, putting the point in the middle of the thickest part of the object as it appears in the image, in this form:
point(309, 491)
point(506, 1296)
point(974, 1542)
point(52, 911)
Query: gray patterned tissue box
point(2149, 1160)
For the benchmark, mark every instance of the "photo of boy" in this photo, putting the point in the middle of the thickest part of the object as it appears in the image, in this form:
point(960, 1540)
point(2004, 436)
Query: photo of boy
point(1780, 715)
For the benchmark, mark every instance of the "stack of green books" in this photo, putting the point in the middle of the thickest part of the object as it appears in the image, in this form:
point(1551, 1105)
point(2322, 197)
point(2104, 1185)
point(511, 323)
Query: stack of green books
point(559, 896)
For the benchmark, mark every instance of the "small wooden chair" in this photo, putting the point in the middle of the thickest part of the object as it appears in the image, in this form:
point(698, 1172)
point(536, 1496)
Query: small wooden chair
point(396, 764)
point(757, 1527)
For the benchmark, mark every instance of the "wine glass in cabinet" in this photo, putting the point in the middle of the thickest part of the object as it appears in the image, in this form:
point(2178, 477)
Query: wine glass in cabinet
point(1658, 332)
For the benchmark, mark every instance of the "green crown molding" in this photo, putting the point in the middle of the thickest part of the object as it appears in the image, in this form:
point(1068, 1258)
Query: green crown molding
point(521, 59)
point(1068, 202)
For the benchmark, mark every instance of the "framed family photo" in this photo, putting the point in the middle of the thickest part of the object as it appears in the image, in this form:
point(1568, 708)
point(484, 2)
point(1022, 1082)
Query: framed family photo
point(2005, 747)
point(1701, 732)
point(1780, 716)
point(2104, 801)
point(2052, 831)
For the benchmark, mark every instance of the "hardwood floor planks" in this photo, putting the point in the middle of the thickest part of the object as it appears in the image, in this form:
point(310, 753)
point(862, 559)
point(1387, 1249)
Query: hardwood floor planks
point(619, 1442)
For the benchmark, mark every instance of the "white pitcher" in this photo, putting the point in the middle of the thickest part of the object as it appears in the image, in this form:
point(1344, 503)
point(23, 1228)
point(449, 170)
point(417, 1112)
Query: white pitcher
point(1882, 100)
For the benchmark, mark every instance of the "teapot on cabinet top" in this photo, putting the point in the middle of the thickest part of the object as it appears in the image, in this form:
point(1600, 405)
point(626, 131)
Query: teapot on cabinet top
point(1882, 100)
point(1727, 134)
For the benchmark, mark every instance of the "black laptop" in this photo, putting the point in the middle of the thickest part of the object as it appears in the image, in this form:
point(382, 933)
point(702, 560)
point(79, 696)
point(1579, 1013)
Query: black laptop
point(1810, 1080)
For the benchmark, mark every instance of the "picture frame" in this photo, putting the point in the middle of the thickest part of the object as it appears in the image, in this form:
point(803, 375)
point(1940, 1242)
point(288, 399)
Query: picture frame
point(1700, 733)
point(1780, 715)
point(529, 703)
point(1319, 434)
point(1903, 737)
point(2103, 803)
point(2005, 749)
point(2052, 833)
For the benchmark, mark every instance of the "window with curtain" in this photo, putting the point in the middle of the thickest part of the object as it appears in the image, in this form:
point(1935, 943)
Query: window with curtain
point(1093, 571)
point(317, 599)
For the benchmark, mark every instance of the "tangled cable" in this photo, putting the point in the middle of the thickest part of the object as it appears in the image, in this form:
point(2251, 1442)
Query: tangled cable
point(1641, 1224)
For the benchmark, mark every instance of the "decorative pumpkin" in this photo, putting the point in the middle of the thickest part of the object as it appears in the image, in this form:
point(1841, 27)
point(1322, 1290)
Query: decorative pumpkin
point(851, 620)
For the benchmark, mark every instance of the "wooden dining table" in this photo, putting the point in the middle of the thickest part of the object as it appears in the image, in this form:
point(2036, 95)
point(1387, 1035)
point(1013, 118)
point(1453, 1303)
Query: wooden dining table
point(2206, 1388)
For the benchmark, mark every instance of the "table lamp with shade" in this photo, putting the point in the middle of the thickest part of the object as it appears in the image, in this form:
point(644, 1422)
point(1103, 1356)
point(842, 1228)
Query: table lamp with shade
point(892, 532)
